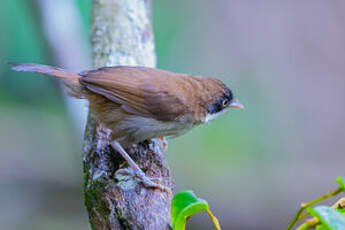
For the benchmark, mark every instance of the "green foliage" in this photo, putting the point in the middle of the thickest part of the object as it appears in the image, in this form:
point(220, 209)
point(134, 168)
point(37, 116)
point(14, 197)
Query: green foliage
point(325, 218)
point(341, 210)
point(330, 218)
point(341, 182)
point(321, 227)
point(186, 204)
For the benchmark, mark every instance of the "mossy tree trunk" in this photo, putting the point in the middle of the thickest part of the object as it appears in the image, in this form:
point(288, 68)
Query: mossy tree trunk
point(122, 35)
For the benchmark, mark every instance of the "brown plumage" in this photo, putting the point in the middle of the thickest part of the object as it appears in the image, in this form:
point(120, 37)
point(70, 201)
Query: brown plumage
point(140, 103)
point(155, 93)
point(120, 95)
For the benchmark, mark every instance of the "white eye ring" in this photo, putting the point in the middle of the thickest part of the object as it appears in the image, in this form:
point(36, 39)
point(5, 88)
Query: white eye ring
point(225, 102)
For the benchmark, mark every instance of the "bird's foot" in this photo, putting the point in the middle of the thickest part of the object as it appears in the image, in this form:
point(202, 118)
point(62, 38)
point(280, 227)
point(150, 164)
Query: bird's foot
point(135, 171)
point(146, 181)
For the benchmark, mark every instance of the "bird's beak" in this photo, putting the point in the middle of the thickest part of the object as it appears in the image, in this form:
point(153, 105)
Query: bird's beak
point(234, 103)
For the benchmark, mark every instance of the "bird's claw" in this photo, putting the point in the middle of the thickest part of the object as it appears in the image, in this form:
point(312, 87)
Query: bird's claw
point(146, 181)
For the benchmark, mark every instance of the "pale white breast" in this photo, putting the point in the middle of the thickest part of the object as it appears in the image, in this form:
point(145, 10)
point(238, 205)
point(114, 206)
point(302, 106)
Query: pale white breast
point(143, 128)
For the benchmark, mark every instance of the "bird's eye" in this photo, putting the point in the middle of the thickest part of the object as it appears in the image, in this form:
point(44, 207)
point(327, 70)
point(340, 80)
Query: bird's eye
point(225, 102)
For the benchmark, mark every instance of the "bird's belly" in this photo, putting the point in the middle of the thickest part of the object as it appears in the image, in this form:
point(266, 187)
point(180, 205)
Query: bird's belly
point(134, 129)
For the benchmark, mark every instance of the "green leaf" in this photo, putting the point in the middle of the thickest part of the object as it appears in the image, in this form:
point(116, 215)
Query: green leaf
point(185, 204)
point(341, 181)
point(332, 219)
point(321, 227)
point(341, 210)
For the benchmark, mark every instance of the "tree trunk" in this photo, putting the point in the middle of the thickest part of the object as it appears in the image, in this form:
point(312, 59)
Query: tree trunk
point(122, 35)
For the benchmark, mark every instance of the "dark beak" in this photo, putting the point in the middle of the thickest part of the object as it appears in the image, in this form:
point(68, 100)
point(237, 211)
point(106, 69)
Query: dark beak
point(234, 103)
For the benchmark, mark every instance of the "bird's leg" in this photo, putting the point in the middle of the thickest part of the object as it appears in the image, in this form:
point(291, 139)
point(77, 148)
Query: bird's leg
point(137, 172)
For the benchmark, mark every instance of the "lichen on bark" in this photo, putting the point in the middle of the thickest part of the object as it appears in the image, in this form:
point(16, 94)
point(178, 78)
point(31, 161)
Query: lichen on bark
point(122, 35)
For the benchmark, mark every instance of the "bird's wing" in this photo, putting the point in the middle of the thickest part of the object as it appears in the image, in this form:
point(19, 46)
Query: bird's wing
point(141, 91)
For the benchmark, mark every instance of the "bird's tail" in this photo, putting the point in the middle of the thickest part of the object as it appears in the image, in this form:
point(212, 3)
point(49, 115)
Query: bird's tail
point(72, 83)
point(49, 70)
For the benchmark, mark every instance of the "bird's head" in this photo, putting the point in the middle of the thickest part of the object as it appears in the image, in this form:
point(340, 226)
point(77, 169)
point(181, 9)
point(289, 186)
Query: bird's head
point(221, 102)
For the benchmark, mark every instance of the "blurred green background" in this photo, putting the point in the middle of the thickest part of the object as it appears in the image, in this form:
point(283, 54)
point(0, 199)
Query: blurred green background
point(285, 60)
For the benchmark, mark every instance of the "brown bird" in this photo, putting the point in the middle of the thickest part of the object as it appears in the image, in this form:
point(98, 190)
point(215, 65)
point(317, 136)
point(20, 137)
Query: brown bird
point(140, 103)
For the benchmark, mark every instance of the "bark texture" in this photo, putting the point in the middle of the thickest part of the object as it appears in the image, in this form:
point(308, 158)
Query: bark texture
point(122, 35)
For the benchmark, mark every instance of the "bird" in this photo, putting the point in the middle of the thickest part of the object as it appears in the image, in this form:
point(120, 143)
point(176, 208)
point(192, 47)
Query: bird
point(141, 103)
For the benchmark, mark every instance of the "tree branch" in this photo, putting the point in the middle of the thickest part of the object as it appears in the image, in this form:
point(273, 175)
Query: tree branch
point(122, 35)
